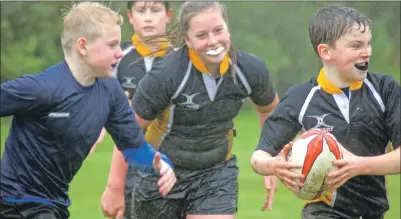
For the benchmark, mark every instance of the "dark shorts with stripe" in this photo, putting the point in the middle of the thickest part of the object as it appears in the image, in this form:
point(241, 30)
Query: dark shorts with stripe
point(321, 210)
point(131, 178)
point(31, 210)
point(212, 191)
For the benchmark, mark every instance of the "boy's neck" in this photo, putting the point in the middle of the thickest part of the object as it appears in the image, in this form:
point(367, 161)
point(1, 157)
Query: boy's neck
point(334, 77)
point(152, 47)
point(80, 71)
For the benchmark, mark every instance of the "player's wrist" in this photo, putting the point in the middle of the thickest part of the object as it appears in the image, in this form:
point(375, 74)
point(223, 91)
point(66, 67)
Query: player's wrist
point(116, 183)
point(260, 163)
point(271, 165)
point(116, 187)
point(362, 166)
point(166, 161)
point(266, 166)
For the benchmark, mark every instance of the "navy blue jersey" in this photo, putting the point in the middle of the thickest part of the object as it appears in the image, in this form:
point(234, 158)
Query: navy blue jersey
point(56, 122)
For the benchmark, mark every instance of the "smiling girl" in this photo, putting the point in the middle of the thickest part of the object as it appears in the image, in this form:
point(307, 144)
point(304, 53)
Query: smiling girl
point(187, 104)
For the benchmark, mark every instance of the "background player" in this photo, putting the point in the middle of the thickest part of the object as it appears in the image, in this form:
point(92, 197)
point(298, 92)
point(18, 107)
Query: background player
point(54, 124)
point(147, 19)
point(187, 103)
point(361, 108)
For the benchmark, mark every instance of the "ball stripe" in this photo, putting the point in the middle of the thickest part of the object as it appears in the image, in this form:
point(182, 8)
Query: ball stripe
point(333, 146)
point(315, 148)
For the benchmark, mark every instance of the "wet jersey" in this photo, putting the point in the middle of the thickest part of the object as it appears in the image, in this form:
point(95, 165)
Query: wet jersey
point(56, 122)
point(193, 111)
point(133, 66)
point(364, 121)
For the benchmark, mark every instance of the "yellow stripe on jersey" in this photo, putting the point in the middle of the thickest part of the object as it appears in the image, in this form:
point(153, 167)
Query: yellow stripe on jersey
point(326, 198)
point(197, 62)
point(159, 128)
point(144, 50)
point(230, 136)
point(330, 88)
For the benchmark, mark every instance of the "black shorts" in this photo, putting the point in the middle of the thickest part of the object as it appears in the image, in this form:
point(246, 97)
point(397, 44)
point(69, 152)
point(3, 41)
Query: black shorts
point(212, 191)
point(32, 210)
point(321, 210)
point(131, 178)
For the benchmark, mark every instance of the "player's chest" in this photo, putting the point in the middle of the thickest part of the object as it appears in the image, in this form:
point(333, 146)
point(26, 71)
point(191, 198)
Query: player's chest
point(204, 99)
point(358, 114)
point(133, 68)
point(78, 120)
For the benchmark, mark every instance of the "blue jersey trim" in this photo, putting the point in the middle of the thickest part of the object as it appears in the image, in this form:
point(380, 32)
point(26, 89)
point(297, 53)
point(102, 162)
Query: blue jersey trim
point(43, 201)
point(142, 158)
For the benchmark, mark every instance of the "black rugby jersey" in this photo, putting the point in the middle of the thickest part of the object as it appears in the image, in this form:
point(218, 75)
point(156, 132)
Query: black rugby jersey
point(193, 112)
point(364, 123)
point(135, 63)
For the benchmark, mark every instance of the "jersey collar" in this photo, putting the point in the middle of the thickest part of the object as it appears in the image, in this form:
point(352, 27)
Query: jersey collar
point(197, 62)
point(144, 50)
point(330, 88)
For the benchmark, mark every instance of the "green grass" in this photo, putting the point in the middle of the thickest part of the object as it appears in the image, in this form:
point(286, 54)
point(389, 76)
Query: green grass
point(87, 186)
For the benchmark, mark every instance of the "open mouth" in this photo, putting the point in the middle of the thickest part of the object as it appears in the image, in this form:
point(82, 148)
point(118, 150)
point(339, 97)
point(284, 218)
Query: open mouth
point(113, 66)
point(148, 28)
point(362, 66)
point(214, 52)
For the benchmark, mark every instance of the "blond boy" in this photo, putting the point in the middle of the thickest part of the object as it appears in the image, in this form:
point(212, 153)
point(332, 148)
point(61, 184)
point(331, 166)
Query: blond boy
point(59, 113)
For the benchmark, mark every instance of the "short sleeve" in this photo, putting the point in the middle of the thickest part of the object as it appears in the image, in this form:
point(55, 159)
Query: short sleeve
point(24, 94)
point(154, 92)
point(282, 125)
point(262, 89)
point(392, 113)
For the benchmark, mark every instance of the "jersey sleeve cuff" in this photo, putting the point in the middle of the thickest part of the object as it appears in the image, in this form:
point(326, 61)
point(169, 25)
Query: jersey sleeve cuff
point(142, 158)
point(142, 113)
point(273, 152)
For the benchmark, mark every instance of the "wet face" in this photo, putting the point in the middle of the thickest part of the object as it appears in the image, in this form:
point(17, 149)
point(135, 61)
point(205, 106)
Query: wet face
point(103, 53)
point(149, 18)
point(208, 35)
point(351, 54)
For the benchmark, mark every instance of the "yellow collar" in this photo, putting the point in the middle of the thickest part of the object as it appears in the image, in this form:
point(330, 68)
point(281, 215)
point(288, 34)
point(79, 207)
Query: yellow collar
point(144, 50)
point(330, 88)
point(197, 62)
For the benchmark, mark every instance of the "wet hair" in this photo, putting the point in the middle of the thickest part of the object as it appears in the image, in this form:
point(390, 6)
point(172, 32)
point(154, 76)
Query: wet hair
point(178, 31)
point(166, 4)
point(86, 19)
point(332, 22)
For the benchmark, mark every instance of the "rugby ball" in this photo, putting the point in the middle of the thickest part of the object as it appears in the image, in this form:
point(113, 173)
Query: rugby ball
point(315, 150)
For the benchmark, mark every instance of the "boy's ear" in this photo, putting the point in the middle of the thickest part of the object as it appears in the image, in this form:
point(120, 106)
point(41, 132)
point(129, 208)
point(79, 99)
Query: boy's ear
point(170, 13)
point(81, 44)
point(324, 52)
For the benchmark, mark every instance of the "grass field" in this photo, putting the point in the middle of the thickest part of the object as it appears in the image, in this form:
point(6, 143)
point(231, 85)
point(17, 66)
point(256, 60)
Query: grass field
point(87, 187)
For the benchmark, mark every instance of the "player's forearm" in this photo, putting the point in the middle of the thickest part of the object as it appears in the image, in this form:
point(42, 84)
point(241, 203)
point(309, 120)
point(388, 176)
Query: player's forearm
point(118, 170)
point(386, 164)
point(263, 117)
point(265, 111)
point(262, 163)
point(101, 135)
point(142, 123)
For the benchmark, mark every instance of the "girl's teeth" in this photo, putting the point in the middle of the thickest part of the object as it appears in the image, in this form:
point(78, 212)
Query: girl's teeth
point(214, 52)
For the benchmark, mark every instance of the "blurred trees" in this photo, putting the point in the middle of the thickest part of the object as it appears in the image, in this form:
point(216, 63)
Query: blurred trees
point(275, 31)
